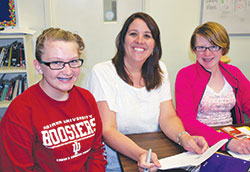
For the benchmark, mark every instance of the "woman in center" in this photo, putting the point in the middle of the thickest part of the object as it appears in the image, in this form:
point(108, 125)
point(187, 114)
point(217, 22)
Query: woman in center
point(133, 95)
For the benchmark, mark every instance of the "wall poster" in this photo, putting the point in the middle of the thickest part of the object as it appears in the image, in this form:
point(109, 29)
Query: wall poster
point(234, 15)
point(7, 13)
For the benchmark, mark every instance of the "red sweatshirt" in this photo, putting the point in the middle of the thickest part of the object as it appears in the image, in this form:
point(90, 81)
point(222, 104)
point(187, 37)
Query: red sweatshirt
point(41, 134)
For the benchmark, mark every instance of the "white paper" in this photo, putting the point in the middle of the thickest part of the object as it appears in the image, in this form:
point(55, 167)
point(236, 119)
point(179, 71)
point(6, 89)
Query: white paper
point(241, 156)
point(189, 159)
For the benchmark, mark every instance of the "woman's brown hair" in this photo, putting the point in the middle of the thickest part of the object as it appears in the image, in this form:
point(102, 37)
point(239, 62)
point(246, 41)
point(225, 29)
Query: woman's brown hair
point(151, 72)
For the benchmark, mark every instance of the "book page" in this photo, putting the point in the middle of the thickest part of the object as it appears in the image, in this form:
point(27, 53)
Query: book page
point(189, 159)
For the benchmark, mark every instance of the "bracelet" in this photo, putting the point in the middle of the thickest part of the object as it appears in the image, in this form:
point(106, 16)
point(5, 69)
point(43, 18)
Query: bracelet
point(179, 137)
point(227, 144)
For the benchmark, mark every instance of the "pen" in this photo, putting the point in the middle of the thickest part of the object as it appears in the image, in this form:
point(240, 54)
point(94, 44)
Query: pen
point(148, 159)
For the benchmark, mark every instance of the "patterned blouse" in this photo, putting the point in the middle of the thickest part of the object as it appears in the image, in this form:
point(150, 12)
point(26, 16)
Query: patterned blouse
point(214, 108)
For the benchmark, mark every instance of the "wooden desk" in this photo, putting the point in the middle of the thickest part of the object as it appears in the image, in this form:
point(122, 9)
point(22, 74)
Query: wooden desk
point(159, 144)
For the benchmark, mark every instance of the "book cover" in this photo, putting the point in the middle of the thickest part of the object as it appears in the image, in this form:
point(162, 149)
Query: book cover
point(235, 133)
point(12, 89)
point(22, 55)
point(6, 57)
point(14, 94)
point(9, 90)
point(1, 86)
point(2, 55)
point(19, 89)
point(19, 54)
point(5, 90)
point(10, 55)
point(224, 163)
point(14, 53)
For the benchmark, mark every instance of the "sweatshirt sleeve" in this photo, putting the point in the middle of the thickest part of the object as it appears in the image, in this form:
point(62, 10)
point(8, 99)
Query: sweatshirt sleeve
point(185, 94)
point(97, 159)
point(16, 142)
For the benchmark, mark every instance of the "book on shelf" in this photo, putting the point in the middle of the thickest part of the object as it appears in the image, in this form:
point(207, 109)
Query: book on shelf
point(5, 90)
point(9, 90)
point(12, 55)
point(6, 57)
point(1, 83)
point(14, 94)
point(2, 54)
point(22, 55)
point(20, 85)
point(19, 54)
point(12, 87)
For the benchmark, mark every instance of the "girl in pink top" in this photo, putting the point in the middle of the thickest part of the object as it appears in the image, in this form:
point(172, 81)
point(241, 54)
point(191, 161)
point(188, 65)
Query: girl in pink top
point(211, 93)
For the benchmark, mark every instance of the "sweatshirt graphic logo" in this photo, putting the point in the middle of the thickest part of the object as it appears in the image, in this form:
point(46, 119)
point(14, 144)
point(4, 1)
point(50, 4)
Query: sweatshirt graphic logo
point(70, 131)
point(76, 147)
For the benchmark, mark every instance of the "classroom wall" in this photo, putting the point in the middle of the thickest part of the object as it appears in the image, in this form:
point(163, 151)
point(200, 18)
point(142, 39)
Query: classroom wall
point(84, 17)
point(176, 19)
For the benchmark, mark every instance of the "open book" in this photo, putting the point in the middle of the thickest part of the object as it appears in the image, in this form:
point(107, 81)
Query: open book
point(187, 159)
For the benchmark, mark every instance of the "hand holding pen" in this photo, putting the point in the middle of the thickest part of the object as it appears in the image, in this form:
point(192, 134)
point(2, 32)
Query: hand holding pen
point(148, 161)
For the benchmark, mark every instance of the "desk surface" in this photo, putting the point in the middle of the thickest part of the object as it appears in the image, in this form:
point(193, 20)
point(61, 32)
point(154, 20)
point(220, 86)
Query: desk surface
point(159, 144)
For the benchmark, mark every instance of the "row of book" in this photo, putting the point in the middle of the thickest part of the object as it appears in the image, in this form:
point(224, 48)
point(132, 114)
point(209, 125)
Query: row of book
point(12, 55)
point(10, 88)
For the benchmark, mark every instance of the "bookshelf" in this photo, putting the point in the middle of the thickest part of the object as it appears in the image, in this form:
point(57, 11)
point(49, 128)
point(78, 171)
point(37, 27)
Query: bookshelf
point(16, 64)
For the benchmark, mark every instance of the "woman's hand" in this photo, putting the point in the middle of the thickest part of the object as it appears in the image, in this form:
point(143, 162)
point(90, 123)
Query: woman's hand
point(152, 166)
point(241, 146)
point(195, 144)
